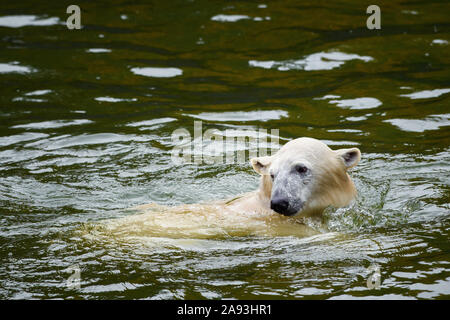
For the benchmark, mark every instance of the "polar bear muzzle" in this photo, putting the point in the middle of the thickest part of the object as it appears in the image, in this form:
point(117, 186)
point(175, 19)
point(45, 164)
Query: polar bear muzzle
point(282, 206)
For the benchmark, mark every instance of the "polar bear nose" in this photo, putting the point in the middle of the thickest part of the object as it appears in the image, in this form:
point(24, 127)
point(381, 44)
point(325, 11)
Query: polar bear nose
point(279, 205)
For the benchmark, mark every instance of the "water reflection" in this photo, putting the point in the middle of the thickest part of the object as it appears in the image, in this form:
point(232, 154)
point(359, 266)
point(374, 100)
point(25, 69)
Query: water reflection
point(98, 50)
point(14, 67)
point(433, 122)
point(439, 42)
point(111, 99)
point(151, 122)
point(426, 94)
point(158, 72)
point(358, 103)
point(86, 134)
point(229, 18)
point(38, 92)
point(27, 20)
point(313, 62)
point(52, 124)
point(236, 17)
point(241, 116)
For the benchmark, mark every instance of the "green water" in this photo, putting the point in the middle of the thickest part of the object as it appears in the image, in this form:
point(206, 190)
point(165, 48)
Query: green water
point(77, 147)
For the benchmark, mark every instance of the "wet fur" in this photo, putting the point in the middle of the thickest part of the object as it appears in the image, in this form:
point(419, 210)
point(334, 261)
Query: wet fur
point(250, 214)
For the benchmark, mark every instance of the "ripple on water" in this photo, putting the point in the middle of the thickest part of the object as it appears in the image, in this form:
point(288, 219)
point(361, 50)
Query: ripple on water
point(111, 99)
point(356, 119)
point(433, 122)
point(358, 103)
point(38, 92)
point(328, 96)
point(52, 124)
point(439, 42)
point(33, 94)
point(260, 115)
point(157, 72)
point(261, 18)
point(313, 62)
point(340, 143)
point(229, 17)
point(426, 94)
point(53, 180)
point(433, 290)
point(28, 99)
point(236, 17)
point(27, 136)
point(14, 67)
point(151, 122)
point(98, 50)
point(356, 131)
point(227, 142)
point(89, 139)
point(27, 20)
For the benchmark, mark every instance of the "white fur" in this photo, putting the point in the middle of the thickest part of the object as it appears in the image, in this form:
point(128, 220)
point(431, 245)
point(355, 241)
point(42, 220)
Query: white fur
point(328, 184)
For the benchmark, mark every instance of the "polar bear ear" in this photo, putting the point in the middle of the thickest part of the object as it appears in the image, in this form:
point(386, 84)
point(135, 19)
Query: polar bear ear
point(261, 164)
point(350, 157)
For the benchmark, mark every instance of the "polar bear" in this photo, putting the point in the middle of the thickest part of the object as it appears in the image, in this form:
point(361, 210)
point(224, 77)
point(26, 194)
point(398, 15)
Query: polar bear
point(303, 178)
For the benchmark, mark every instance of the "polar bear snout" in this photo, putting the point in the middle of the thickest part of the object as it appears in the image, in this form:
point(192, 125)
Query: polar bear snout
point(279, 205)
point(282, 206)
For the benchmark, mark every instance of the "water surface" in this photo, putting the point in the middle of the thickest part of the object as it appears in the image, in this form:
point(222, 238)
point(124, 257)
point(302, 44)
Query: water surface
point(86, 118)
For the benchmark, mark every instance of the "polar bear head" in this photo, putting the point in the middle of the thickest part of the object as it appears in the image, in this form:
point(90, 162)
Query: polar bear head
point(305, 176)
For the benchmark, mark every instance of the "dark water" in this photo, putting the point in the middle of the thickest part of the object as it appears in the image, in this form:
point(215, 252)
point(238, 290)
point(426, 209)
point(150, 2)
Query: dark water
point(85, 132)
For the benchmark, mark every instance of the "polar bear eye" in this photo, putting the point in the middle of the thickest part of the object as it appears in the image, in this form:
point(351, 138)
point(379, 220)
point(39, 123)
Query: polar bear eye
point(300, 168)
point(272, 176)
